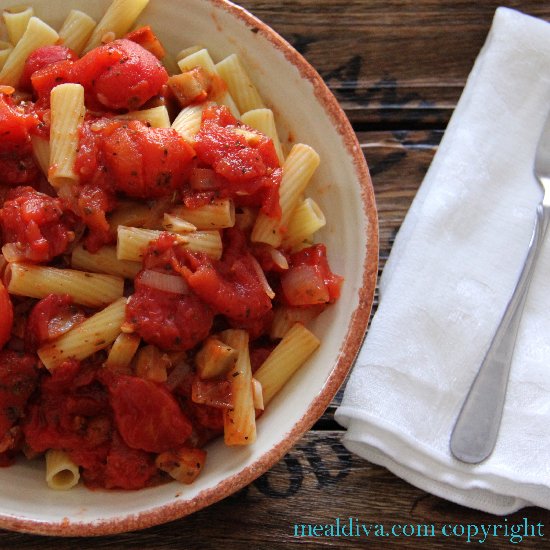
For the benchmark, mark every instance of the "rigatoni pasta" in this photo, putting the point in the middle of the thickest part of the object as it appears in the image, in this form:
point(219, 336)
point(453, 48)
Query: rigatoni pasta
point(37, 34)
point(118, 19)
point(298, 169)
point(96, 333)
point(76, 30)
point(67, 115)
point(16, 20)
point(88, 289)
point(157, 285)
point(61, 472)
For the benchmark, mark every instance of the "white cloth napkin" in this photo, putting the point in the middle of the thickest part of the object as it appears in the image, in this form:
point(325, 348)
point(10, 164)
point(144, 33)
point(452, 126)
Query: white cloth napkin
point(451, 272)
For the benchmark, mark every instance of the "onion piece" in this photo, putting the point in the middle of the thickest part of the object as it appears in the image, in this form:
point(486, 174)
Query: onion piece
point(279, 259)
point(261, 275)
point(162, 281)
point(13, 253)
point(257, 394)
point(303, 285)
point(178, 225)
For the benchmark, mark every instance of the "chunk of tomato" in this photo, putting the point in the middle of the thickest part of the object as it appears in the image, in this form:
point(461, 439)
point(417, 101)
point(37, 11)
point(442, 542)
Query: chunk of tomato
point(169, 321)
point(119, 75)
point(309, 280)
point(18, 379)
point(36, 223)
point(231, 286)
point(249, 166)
point(147, 415)
point(6, 316)
point(146, 162)
point(42, 57)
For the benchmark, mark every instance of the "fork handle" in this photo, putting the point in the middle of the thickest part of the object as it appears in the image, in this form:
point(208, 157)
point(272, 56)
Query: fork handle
point(476, 429)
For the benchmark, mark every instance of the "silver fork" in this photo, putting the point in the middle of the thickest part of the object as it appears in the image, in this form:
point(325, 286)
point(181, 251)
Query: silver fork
point(476, 429)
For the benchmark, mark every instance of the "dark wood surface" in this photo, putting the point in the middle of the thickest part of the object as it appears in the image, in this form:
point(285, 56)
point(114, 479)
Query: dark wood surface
point(398, 68)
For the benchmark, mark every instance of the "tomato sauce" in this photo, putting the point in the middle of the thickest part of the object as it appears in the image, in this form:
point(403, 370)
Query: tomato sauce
point(126, 427)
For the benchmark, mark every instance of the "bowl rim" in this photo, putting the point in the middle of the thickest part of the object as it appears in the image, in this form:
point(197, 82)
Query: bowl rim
point(349, 348)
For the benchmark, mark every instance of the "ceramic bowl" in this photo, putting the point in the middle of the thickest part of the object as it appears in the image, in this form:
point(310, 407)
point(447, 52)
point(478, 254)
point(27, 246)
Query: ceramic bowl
point(306, 112)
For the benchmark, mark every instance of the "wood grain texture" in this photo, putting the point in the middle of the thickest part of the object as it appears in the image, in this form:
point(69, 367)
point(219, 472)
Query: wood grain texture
point(390, 63)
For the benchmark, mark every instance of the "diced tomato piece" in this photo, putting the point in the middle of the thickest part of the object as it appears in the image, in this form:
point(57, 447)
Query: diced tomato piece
point(15, 124)
point(6, 315)
point(18, 379)
point(44, 80)
point(147, 416)
point(128, 468)
point(146, 162)
point(231, 286)
point(72, 412)
point(249, 165)
point(215, 392)
point(51, 317)
point(208, 417)
point(36, 223)
point(17, 166)
point(146, 38)
point(119, 75)
point(309, 280)
point(93, 204)
point(42, 57)
point(169, 321)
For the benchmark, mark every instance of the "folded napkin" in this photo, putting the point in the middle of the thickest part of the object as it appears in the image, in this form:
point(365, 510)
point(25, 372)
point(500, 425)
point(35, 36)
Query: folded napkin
point(452, 270)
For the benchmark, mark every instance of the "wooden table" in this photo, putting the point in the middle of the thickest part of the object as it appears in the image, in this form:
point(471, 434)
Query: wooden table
point(398, 68)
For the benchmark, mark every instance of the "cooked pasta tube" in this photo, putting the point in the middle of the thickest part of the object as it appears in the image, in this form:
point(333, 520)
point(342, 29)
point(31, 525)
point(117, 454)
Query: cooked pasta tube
point(208, 242)
point(188, 122)
point(67, 114)
point(157, 117)
point(96, 333)
point(88, 289)
point(287, 357)
point(219, 214)
point(118, 19)
point(239, 423)
point(306, 219)
point(182, 54)
point(5, 50)
point(36, 35)
point(201, 58)
point(298, 168)
point(129, 213)
point(262, 119)
point(122, 351)
point(16, 21)
point(133, 241)
point(61, 472)
point(104, 261)
point(76, 30)
point(240, 86)
point(285, 317)
point(41, 152)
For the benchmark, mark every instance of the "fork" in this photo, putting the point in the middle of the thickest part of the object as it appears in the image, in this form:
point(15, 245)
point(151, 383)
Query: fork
point(475, 432)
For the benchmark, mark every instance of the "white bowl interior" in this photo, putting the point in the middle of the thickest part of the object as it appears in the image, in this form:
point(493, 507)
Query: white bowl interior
point(24, 494)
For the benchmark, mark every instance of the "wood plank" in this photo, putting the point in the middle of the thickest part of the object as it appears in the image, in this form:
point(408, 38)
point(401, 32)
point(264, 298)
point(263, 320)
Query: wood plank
point(390, 63)
point(317, 482)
